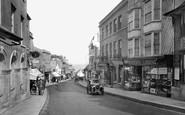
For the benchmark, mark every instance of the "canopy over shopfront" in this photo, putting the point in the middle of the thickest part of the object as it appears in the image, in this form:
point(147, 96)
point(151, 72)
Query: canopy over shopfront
point(34, 73)
point(80, 74)
point(55, 74)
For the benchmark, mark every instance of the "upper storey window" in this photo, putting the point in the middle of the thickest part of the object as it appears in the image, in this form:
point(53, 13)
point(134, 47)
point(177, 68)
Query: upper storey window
point(152, 10)
point(134, 19)
point(13, 9)
point(119, 22)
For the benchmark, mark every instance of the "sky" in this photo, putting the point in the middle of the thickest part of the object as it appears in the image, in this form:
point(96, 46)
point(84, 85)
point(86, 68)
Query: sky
point(66, 27)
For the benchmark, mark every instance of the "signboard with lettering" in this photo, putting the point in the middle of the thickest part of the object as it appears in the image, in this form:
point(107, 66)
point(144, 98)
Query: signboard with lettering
point(140, 61)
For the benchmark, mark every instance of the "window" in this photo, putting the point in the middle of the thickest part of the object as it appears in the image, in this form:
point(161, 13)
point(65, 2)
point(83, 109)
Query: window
point(148, 11)
point(22, 26)
point(183, 24)
point(106, 30)
point(110, 50)
point(119, 22)
point(137, 18)
point(119, 47)
point(152, 11)
point(130, 21)
point(110, 26)
point(136, 47)
point(115, 25)
point(148, 45)
point(156, 43)
point(130, 48)
point(13, 9)
point(114, 47)
point(102, 33)
point(107, 50)
point(157, 10)
point(102, 50)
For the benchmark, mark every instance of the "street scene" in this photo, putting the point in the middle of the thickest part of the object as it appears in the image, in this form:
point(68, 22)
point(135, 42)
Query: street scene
point(118, 57)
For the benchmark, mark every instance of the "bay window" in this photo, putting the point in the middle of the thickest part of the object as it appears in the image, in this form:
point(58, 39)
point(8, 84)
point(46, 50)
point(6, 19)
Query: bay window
point(156, 43)
point(136, 47)
point(152, 10)
point(152, 44)
point(134, 19)
point(148, 46)
point(130, 48)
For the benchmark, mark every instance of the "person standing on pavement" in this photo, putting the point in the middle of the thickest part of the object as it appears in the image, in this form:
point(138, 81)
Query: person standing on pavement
point(40, 85)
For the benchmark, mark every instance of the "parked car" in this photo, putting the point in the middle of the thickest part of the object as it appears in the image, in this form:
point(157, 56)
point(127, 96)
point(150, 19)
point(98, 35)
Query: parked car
point(94, 86)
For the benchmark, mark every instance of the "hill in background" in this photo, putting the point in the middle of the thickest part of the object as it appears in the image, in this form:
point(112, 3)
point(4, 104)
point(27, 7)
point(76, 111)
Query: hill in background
point(79, 66)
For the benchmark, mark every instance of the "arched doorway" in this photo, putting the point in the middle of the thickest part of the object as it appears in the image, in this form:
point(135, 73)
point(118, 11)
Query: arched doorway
point(3, 87)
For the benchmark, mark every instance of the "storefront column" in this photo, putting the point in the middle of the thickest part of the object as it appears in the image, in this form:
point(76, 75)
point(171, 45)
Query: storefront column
point(117, 74)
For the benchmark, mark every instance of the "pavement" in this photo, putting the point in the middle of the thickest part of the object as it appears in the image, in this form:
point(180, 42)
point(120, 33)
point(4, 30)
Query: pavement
point(29, 106)
point(137, 96)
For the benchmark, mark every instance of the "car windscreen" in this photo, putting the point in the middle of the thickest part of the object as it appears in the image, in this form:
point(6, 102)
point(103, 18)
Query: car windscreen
point(95, 81)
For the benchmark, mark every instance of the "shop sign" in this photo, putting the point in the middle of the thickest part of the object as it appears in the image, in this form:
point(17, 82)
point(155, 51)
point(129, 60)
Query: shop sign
point(153, 90)
point(143, 62)
point(162, 70)
point(101, 64)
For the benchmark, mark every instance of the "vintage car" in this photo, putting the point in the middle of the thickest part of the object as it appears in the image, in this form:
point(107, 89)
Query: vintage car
point(94, 86)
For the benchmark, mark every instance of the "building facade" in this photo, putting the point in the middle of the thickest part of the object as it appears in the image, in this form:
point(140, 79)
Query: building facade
point(15, 47)
point(94, 53)
point(177, 13)
point(149, 66)
point(113, 43)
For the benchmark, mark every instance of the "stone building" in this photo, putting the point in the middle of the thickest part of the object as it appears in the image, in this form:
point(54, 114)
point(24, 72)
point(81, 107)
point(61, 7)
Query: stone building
point(14, 47)
point(113, 42)
point(175, 10)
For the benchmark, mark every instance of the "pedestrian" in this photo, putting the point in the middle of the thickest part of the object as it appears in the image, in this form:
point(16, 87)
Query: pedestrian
point(40, 85)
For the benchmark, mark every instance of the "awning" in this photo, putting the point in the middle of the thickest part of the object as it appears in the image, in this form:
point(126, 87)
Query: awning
point(55, 74)
point(34, 73)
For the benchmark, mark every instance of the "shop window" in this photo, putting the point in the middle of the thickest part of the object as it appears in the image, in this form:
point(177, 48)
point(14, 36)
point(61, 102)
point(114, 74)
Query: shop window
point(157, 80)
point(156, 43)
point(136, 47)
point(148, 11)
point(148, 45)
point(110, 28)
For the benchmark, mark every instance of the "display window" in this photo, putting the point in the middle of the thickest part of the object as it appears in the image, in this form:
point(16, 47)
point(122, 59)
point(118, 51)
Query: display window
point(133, 78)
point(157, 80)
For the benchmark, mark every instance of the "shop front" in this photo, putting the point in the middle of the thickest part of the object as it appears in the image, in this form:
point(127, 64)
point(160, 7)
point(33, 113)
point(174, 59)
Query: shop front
point(149, 74)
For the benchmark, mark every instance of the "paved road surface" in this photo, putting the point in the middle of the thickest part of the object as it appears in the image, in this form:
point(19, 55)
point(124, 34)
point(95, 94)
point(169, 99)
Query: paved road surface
point(69, 98)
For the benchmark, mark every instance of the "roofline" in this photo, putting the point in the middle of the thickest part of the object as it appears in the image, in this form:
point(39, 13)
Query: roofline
point(122, 3)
